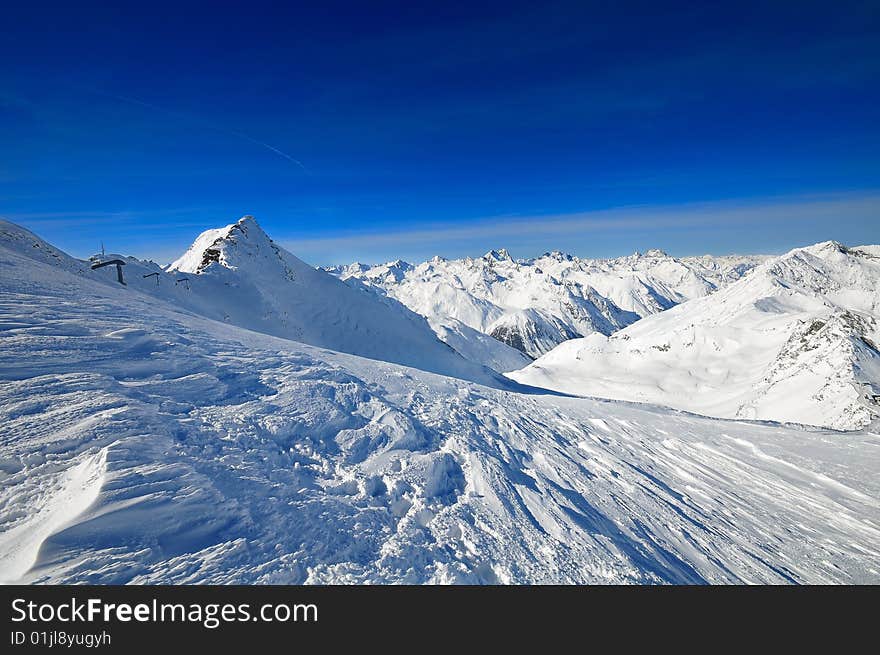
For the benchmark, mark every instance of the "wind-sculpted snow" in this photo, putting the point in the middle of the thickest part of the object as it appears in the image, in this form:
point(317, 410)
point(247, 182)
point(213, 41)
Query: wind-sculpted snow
point(794, 341)
point(143, 443)
point(535, 304)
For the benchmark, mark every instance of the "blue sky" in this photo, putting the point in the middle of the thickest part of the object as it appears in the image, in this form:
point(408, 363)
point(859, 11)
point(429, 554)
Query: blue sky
point(373, 131)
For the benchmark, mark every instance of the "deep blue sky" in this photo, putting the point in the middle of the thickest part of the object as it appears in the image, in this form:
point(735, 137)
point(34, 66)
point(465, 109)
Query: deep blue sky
point(371, 130)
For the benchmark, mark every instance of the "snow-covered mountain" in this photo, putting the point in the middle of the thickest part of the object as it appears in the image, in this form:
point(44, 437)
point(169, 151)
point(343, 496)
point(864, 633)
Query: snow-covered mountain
point(145, 442)
point(259, 285)
point(796, 340)
point(238, 275)
point(535, 304)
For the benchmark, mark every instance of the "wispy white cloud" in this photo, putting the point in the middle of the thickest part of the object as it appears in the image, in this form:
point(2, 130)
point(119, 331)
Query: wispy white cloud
point(723, 214)
point(122, 218)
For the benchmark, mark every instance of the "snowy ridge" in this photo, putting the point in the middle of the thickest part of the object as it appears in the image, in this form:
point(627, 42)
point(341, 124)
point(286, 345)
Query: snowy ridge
point(238, 275)
point(535, 304)
point(793, 341)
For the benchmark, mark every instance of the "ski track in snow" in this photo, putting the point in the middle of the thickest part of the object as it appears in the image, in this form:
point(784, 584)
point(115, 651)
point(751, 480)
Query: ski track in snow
point(145, 445)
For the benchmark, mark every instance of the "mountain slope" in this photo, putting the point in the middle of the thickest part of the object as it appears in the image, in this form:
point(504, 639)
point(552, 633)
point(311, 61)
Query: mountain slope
point(144, 443)
point(794, 341)
point(237, 274)
point(535, 304)
point(262, 286)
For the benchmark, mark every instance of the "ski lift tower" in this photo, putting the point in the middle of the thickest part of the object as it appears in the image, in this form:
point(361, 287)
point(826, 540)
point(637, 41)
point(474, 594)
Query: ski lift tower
point(119, 264)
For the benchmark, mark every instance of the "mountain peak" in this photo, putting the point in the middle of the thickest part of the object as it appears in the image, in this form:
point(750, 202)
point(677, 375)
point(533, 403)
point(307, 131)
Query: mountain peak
point(248, 226)
point(557, 255)
point(249, 222)
point(221, 246)
point(826, 247)
point(498, 255)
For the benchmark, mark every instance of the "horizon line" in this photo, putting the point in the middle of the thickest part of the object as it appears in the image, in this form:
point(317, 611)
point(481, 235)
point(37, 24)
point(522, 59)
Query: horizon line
point(502, 229)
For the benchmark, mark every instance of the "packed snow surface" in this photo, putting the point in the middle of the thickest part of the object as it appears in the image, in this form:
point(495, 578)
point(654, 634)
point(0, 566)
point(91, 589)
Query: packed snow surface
point(148, 440)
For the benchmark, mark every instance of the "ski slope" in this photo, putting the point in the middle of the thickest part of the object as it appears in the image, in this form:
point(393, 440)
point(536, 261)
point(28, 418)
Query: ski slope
point(144, 442)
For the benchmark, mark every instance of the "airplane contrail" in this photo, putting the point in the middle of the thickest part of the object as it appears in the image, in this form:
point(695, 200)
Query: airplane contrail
point(270, 147)
point(216, 128)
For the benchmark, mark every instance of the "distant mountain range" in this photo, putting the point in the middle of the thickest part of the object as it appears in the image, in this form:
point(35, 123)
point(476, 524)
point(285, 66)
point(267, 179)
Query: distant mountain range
point(795, 340)
point(535, 304)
